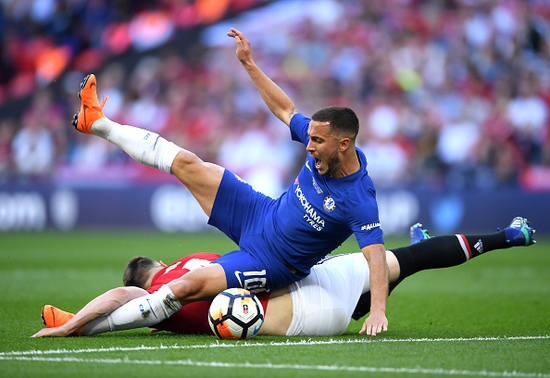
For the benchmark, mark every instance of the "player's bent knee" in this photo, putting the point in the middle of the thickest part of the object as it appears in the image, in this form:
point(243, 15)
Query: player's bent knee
point(120, 294)
point(187, 165)
point(186, 160)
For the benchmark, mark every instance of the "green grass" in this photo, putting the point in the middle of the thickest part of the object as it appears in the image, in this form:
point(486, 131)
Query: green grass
point(491, 304)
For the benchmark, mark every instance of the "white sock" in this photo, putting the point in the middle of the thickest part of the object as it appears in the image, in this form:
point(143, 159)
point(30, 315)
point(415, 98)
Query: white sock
point(98, 325)
point(144, 311)
point(144, 146)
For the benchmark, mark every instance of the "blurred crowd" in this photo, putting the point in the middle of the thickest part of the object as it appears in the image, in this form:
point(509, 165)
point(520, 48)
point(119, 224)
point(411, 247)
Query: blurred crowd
point(450, 94)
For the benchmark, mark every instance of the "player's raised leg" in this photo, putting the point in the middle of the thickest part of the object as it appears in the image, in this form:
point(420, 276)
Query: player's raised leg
point(201, 178)
point(147, 147)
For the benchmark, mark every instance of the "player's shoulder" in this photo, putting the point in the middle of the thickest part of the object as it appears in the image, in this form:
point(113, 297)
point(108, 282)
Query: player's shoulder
point(298, 127)
point(362, 159)
point(360, 185)
point(298, 117)
point(360, 197)
point(201, 258)
point(201, 255)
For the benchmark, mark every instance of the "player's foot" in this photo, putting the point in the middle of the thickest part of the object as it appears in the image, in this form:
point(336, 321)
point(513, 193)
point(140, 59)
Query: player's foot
point(90, 109)
point(55, 317)
point(418, 233)
point(519, 232)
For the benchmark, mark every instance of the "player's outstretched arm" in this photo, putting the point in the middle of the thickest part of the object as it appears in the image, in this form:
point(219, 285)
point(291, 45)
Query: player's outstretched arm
point(101, 305)
point(275, 98)
point(377, 322)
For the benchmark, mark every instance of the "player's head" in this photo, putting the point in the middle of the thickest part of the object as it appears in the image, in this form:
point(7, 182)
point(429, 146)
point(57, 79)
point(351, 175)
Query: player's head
point(342, 120)
point(332, 132)
point(139, 270)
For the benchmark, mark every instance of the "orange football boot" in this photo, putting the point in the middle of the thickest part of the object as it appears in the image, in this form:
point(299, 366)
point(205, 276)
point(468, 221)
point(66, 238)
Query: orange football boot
point(55, 317)
point(90, 109)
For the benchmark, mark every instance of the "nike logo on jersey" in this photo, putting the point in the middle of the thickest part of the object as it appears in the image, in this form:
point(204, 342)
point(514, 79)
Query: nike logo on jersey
point(238, 275)
point(307, 165)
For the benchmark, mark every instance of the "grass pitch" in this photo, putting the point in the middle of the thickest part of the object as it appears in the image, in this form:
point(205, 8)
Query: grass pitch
point(488, 317)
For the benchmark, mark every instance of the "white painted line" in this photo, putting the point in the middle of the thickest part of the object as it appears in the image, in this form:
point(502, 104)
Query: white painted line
point(248, 365)
point(249, 344)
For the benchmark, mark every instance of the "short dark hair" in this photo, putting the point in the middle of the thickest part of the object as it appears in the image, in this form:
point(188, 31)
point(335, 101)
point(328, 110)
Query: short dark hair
point(343, 120)
point(137, 271)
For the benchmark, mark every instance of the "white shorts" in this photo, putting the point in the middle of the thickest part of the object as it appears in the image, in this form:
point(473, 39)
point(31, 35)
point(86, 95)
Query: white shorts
point(324, 301)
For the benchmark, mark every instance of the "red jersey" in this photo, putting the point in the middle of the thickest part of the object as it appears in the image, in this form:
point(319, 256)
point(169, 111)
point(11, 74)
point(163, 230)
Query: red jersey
point(193, 317)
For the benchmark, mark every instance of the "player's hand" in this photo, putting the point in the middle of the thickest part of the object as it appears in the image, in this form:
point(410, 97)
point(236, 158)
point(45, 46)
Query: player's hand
point(51, 332)
point(375, 324)
point(244, 52)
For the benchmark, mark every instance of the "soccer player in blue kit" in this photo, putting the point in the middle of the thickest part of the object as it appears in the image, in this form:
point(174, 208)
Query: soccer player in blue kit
point(279, 239)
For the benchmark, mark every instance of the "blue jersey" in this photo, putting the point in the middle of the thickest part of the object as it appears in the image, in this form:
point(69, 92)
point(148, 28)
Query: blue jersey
point(281, 239)
point(318, 213)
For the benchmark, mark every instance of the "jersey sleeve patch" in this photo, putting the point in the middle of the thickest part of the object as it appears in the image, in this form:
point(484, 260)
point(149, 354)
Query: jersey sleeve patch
point(195, 264)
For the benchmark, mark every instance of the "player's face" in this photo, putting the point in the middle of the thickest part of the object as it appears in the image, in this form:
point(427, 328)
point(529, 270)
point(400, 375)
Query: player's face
point(323, 147)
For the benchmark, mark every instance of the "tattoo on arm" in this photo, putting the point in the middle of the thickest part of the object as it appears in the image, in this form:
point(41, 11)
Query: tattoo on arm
point(292, 112)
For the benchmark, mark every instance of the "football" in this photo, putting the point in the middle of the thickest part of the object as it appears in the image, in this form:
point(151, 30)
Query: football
point(236, 314)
